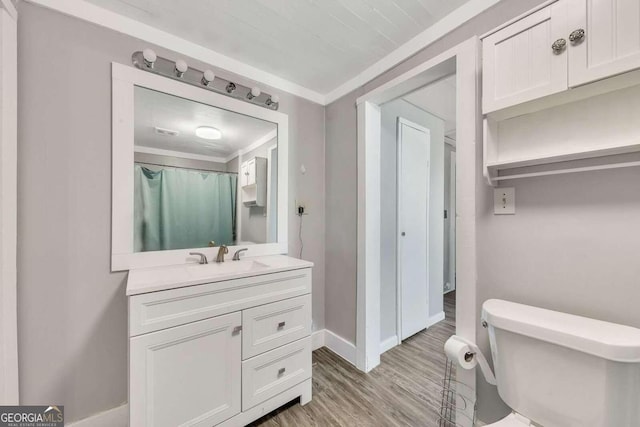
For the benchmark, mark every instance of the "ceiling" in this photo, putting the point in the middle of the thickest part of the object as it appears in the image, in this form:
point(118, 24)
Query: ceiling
point(155, 109)
point(438, 99)
point(318, 44)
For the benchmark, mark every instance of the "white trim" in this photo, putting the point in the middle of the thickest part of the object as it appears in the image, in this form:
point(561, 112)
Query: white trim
point(86, 11)
point(464, 59)
point(124, 79)
point(179, 154)
point(116, 417)
point(317, 339)
point(389, 343)
point(10, 8)
point(340, 346)
point(444, 26)
point(435, 319)
point(9, 383)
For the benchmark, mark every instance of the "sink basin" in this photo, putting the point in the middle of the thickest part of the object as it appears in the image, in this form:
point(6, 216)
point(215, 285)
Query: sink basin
point(201, 271)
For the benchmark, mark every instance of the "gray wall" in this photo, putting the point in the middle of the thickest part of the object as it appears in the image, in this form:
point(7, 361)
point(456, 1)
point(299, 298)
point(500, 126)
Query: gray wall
point(388, 212)
point(178, 162)
point(72, 310)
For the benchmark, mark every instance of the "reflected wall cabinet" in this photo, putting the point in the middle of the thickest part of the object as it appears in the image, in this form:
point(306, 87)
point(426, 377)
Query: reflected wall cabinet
point(562, 45)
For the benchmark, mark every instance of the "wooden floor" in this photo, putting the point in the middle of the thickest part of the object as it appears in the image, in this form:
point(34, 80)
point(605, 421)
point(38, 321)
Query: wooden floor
point(403, 391)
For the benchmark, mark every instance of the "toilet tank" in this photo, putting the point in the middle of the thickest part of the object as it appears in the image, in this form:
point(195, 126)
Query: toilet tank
point(561, 370)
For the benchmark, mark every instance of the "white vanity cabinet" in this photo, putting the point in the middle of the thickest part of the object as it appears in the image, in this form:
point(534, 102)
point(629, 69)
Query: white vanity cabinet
point(562, 45)
point(218, 344)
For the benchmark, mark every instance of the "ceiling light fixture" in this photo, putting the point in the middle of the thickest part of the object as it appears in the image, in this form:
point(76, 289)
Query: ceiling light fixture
point(207, 132)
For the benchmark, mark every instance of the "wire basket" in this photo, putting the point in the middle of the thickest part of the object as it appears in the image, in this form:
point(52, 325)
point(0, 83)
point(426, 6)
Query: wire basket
point(458, 406)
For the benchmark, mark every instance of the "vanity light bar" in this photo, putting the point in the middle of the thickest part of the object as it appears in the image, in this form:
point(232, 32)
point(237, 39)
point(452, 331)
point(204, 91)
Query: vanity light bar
point(147, 60)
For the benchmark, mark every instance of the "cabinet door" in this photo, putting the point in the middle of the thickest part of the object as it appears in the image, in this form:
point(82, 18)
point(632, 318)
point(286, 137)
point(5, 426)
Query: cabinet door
point(611, 42)
point(187, 375)
point(251, 170)
point(244, 173)
point(519, 61)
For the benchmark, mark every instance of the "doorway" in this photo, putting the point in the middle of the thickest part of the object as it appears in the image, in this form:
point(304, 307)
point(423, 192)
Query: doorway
point(462, 60)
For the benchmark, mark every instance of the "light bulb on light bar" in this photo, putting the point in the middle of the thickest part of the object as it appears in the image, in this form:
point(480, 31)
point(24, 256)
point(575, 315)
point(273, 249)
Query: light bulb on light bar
point(274, 99)
point(149, 57)
point(207, 132)
point(207, 77)
point(181, 67)
point(255, 92)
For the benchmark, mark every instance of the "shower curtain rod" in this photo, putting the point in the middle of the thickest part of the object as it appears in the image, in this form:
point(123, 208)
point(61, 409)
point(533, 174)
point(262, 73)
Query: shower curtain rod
point(185, 167)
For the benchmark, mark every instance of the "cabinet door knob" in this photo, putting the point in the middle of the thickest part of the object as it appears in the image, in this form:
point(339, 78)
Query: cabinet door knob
point(237, 330)
point(281, 325)
point(281, 371)
point(558, 46)
point(576, 36)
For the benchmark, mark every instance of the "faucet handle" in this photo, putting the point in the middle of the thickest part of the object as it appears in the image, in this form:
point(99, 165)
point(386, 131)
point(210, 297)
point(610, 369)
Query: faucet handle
point(236, 256)
point(203, 257)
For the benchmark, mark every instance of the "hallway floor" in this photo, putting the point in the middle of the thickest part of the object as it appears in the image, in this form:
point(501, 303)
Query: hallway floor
point(404, 390)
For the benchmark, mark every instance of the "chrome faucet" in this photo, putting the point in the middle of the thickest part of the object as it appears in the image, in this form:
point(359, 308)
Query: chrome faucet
point(236, 256)
point(221, 253)
point(203, 257)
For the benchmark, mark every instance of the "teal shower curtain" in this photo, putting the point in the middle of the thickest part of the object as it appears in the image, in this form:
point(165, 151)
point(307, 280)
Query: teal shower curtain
point(180, 209)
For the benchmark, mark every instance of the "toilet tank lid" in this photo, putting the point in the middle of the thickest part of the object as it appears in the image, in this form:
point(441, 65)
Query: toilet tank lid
point(607, 340)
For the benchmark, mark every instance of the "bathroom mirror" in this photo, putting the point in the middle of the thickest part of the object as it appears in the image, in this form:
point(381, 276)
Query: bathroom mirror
point(193, 170)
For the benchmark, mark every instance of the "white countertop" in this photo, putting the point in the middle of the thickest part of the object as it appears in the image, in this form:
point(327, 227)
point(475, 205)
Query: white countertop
point(144, 280)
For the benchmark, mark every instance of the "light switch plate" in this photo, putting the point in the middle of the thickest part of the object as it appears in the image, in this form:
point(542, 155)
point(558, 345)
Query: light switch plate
point(504, 201)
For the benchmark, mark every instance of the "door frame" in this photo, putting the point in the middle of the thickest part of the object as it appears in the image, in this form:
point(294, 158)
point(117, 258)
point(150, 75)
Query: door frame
point(402, 121)
point(464, 61)
point(8, 204)
point(453, 167)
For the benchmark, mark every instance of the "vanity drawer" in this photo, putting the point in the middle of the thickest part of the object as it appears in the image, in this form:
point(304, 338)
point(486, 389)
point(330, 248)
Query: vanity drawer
point(272, 325)
point(155, 311)
point(271, 373)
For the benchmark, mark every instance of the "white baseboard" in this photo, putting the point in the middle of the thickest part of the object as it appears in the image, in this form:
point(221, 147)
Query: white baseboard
point(317, 339)
point(116, 417)
point(388, 344)
point(340, 346)
point(435, 319)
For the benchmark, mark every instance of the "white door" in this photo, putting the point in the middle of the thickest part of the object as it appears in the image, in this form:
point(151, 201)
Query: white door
point(519, 61)
point(187, 375)
point(413, 224)
point(8, 204)
point(611, 41)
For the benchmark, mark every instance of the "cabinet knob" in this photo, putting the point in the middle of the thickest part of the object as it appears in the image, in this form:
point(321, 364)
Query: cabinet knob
point(558, 46)
point(576, 36)
point(281, 371)
point(237, 330)
point(281, 325)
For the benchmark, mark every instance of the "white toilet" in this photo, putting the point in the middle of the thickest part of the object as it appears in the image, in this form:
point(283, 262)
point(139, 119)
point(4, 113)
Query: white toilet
point(558, 370)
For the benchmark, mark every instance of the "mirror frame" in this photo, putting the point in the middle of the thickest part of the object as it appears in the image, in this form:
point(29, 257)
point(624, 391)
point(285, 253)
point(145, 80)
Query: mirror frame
point(124, 79)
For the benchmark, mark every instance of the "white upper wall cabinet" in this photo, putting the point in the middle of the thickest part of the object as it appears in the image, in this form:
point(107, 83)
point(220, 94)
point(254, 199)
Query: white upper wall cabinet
point(606, 39)
point(527, 59)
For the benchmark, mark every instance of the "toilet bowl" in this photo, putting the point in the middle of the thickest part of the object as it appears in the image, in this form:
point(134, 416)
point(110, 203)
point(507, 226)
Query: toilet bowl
point(559, 370)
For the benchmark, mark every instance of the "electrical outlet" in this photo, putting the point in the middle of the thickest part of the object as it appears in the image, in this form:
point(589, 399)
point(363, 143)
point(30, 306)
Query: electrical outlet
point(504, 201)
point(301, 208)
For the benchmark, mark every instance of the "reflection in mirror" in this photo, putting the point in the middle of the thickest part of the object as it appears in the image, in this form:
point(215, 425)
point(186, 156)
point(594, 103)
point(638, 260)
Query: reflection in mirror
point(201, 174)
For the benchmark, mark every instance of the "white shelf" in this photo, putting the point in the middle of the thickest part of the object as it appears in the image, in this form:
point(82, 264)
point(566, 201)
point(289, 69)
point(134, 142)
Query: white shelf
point(565, 157)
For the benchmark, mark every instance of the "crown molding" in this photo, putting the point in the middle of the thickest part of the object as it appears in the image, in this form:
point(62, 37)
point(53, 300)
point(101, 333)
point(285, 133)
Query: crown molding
point(86, 11)
point(438, 30)
point(10, 8)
